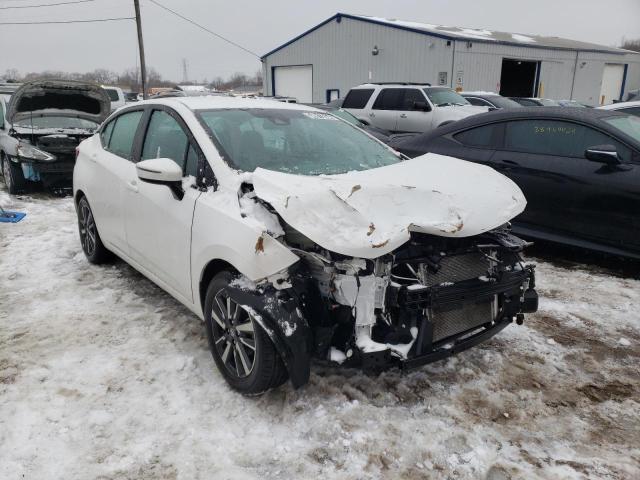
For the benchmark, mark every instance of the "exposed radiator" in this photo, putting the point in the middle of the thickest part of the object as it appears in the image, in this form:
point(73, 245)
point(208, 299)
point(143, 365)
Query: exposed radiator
point(452, 322)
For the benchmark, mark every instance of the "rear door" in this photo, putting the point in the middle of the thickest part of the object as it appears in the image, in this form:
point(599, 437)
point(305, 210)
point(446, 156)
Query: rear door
point(158, 224)
point(386, 108)
point(412, 117)
point(114, 170)
point(356, 101)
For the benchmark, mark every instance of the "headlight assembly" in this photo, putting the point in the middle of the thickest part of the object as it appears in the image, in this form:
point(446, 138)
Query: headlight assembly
point(29, 152)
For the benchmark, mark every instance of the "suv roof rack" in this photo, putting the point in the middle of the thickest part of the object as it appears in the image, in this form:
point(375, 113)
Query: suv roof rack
point(400, 83)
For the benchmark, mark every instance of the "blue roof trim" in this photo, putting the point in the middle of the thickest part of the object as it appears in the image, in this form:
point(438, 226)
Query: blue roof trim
point(304, 34)
point(433, 34)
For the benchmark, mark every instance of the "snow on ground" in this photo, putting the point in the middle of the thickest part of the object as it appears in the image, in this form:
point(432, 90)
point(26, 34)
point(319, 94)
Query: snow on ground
point(104, 376)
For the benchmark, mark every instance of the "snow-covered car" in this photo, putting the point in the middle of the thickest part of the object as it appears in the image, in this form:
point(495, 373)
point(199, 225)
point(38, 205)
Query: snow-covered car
point(407, 107)
point(294, 235)
point(41, 125)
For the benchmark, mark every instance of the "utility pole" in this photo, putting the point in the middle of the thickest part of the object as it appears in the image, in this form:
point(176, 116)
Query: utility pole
point(143, 67)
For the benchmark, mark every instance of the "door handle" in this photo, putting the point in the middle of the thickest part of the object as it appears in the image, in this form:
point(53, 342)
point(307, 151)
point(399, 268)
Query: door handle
point(403, 115)
point(133, 186)
point(372, 114)
point(93, 157)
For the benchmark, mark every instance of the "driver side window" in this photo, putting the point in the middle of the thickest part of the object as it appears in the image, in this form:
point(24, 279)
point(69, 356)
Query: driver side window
point(165, 138)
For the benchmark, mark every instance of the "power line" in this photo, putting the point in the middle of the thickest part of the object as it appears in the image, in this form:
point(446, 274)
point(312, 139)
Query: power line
point(69, 21)
point(204, 28)
point(46, 4)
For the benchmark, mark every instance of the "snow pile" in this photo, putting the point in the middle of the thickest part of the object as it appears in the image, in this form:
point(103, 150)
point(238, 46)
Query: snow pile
point(105, 376)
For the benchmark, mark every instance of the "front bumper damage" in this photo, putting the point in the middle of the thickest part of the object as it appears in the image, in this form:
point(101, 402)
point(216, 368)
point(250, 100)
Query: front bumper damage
point(370, 314)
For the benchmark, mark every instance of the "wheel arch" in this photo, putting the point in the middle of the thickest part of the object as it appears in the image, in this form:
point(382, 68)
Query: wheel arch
point(211, 269)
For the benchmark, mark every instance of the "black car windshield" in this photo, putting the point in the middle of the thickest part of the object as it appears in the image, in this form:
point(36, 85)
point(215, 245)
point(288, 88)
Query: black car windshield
point(56, 122)
point(628, 124)
point(293, 141)
point(444, 97)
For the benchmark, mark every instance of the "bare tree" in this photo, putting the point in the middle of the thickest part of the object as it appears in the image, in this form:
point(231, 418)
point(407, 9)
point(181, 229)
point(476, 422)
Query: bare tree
point(633, 44)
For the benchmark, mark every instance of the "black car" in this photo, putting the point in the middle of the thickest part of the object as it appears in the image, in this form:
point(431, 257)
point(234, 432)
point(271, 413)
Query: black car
point(579, 169)
point(491, 100)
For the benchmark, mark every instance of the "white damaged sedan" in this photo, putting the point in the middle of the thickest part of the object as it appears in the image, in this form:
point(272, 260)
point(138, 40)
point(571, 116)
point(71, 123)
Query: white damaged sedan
point(296, 236)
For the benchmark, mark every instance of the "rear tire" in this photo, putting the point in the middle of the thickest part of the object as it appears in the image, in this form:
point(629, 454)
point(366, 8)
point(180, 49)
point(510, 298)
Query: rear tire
point(90, 240)
point(13, 176)
point(242, 350)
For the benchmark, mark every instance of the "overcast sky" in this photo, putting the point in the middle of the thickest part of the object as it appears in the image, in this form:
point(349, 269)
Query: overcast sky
point(263, 25)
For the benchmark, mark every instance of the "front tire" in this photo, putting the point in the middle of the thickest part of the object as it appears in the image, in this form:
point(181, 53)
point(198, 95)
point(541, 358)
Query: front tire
point(90, 240)
point(13, 176)
point(243, 352)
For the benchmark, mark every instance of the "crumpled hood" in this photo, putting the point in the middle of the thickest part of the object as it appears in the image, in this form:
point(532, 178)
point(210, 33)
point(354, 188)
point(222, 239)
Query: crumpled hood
point(370, 213)
point(59, 98)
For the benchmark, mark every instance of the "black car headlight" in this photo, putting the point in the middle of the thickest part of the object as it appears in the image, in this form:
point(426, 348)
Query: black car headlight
point(29, 152)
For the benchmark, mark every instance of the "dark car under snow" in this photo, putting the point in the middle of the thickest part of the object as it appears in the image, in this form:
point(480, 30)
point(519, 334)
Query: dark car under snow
point(579, 169)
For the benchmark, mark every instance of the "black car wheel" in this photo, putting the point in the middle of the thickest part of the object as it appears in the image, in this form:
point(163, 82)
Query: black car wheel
point(92, 246)
point(13, 176)
point(243, 352)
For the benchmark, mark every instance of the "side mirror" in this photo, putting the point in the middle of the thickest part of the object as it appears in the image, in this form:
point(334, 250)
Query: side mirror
point(421, 106)
point(162, 171)
point(606, 154)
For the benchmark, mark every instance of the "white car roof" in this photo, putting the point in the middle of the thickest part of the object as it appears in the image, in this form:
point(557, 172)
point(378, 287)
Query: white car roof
point(213, 102)
point(619, 105)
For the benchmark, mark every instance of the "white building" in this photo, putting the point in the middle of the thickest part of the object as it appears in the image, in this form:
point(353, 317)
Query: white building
point(346, 50)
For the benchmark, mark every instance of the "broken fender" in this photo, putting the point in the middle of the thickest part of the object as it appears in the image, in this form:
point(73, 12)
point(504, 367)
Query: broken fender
point(370, 213)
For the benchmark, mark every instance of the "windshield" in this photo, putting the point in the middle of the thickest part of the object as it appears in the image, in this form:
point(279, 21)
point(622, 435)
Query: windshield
point(56, 123)
point(293, 141)
point(629, 124)
point(444, 97)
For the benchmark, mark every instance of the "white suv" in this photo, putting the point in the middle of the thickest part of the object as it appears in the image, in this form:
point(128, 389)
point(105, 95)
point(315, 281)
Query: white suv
point(296, 235)
point(406, 107)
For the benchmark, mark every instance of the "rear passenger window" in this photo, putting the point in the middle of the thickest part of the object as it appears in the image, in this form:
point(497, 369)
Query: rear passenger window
point(478, 102)
point(165, 138)
point(389, 99)
point(484, 136)
point(123, 134)
point(357, 98)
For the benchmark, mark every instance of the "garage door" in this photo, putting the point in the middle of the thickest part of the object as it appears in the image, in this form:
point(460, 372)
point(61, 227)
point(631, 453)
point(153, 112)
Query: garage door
point(612, 79)
point(294, 82)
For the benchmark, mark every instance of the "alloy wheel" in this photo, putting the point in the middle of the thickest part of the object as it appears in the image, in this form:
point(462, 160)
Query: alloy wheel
point(233, 331)
point(87, 229)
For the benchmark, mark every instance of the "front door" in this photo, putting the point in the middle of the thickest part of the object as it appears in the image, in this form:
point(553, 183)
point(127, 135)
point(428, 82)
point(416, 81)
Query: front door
point(158, 223)
point(416, 115)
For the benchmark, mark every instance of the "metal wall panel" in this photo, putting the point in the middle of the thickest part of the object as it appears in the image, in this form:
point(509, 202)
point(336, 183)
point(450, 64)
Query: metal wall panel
point(341, 54)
